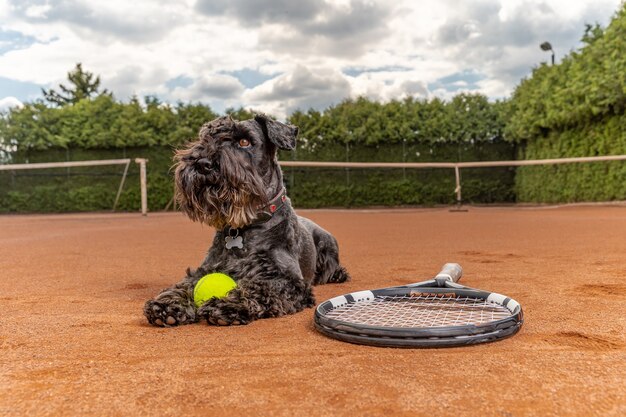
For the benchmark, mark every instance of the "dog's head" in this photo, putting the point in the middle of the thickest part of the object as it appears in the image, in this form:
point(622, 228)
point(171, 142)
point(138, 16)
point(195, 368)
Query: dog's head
point(230, 171)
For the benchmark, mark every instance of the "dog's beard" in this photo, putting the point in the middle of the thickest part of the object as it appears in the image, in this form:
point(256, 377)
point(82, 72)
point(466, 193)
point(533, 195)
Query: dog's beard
point(230, 195)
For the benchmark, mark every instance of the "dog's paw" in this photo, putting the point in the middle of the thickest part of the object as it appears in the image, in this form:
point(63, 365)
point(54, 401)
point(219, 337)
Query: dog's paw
point(164, 314)
point(226, 311)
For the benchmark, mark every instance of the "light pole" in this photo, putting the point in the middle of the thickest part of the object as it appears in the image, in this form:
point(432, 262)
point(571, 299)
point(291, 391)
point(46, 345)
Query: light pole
point(547, 47)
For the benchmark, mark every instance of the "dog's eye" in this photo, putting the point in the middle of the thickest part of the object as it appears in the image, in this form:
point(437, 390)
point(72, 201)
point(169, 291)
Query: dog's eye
point(244, 143)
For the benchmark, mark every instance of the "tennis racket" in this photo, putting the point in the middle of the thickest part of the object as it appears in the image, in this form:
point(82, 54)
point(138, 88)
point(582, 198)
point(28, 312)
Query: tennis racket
point(434, 313)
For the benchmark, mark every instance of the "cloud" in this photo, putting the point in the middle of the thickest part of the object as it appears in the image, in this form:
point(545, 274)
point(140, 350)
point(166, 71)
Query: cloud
point(250, 78)
point(460, 81)
point(213, 87)
point(381, 86)
point(9, 102)
point(124, 82)
point(309, 26)
point(300, 88)
point(484, 25)
point(145, 22)
point(413, 88)
point(258, 12)
point(182, 81)
point(219, 86)
point(356, 71)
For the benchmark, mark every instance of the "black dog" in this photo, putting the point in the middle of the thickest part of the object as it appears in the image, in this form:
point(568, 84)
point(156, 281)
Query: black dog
point(230, 179)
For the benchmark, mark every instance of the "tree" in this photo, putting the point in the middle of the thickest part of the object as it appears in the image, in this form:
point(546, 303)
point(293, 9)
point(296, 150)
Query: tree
point(82, 85)
point(33, 126)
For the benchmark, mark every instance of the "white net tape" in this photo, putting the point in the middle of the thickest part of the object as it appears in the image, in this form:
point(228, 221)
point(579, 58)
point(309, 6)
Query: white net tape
point(425, 310)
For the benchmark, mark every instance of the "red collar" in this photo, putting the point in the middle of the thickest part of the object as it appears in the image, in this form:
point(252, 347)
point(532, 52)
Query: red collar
point(266, 212)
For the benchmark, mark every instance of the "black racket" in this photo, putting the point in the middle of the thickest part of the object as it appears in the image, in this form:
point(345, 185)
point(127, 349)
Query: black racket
point(434, 313)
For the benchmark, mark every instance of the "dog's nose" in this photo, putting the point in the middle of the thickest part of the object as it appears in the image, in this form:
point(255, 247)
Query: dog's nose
point(204, 165)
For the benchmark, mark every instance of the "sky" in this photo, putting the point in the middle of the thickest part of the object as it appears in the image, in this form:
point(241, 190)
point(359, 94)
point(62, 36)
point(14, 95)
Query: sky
point(278, 56)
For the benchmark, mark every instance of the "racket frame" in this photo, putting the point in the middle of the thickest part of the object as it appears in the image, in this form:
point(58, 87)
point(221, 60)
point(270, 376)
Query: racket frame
point(420, 337)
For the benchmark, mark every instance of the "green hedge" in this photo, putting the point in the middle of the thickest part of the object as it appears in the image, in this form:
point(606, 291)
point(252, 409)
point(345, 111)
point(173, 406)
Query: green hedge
point(94, 188)
point(85, 188)
point(594, 181)
point(360, 187)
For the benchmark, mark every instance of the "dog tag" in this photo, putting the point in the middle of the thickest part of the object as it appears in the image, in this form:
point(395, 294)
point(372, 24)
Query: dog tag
point(234, 242)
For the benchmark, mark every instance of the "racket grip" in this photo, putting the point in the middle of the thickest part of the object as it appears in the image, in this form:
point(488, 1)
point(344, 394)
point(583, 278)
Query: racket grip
point(449, 272)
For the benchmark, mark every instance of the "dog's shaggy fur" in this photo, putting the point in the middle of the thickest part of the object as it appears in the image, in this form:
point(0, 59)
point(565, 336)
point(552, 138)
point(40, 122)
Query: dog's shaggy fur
point(226, 178)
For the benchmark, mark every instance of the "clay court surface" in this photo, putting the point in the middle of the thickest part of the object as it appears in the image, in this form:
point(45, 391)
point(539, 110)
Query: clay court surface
point(73, 340)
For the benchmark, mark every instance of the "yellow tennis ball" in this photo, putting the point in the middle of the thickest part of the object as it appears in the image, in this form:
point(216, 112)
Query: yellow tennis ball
point(212, 285)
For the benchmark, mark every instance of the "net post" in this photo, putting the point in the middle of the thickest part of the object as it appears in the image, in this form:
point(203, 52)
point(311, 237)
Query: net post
point(119, 190)
point(143, 182)
point(457, 189)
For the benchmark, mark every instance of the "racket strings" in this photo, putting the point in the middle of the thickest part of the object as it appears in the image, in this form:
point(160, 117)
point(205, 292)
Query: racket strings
point(425, 310)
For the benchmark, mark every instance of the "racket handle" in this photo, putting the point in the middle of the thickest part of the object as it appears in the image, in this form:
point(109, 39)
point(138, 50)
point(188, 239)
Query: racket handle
point(449, 272)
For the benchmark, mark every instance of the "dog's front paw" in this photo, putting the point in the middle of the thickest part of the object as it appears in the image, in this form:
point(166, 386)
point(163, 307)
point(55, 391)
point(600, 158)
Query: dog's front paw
point(228, 311)
point(164, 314)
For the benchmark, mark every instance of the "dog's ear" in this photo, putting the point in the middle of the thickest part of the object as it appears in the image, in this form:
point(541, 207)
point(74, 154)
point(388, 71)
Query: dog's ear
point(280, 134)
